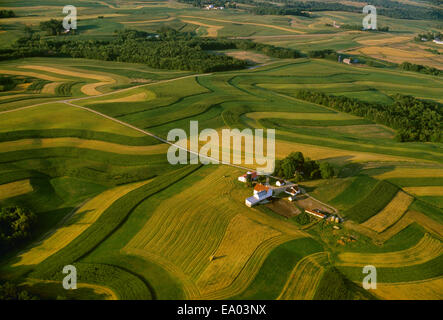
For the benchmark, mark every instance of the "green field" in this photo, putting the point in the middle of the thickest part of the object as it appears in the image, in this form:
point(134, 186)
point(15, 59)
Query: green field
point(80, 145)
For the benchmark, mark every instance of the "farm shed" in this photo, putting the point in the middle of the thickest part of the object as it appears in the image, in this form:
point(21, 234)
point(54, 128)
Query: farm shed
point(244, 178)
point(316, 214)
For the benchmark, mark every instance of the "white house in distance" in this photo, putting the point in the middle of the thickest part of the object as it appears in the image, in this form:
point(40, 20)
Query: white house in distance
point(244, 178)
point(280, 183)
point(437, 41)
point(261, 193)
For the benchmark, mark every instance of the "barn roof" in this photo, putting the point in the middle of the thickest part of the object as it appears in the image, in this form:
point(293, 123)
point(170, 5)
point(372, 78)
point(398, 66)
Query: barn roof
point(259, 187)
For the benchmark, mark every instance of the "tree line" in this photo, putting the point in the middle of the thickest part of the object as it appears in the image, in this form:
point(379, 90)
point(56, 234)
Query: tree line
point(170, 50)
point(295, 166)
point(16, 225)
point(407, 66)
point(7, 14)
point(414, 119)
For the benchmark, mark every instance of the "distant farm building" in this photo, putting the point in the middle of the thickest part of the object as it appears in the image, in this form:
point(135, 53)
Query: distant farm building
point(438, 41)
point(244, 178)
point(293, 191)
point(280, 183)
point(347, 61)
point(212, 7)
point(316, 213)
point(261, 194)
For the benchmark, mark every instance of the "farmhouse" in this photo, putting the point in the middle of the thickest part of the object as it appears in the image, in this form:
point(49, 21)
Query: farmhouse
point(244, 178)
point(316, 213)
point(347, 61)
point(280, 183)
point(438, 41)
point(261, 193)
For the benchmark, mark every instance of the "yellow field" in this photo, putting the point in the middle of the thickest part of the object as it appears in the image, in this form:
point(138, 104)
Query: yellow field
point(425, 191)
point(241, 239)
point(283, 148)
point(85, 216)
point(249, 56)
point(427, 249)
point(417, 290)
point(426, 222)
point(391, 52)
point(89, 89)
point(251, 268)
point(9, 96)
point(384, 41)
point(400, 172)
point(366, 130)
point(305, 277)
point(207, 219)
point(188, 228)
point(14, 189)
point(26, 144)
point(391, 213)
point(410, 52)
point(50, 87)
point(142, 96)
point(211, 29)
point(31, 74)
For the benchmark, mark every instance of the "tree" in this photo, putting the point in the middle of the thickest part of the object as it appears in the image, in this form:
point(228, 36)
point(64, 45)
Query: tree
point(53, 27)
point(15, 225)
point(9, 291)
point(327, 171)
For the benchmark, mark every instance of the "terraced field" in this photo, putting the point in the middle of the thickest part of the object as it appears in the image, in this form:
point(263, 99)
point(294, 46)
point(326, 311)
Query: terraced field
point(82, 146)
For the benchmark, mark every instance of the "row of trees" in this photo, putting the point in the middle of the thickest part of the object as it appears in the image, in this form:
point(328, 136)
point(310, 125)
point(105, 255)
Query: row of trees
point(428, 36)
point(8, 83)
point(10, 291)
point(414, 119)
point(296, 167)
point(170, 50)
point(272, 9)
point(360, 27)
point(52, 27)
point(420, 68)
point(7, 14)
point(16, 225)
point(215, 3)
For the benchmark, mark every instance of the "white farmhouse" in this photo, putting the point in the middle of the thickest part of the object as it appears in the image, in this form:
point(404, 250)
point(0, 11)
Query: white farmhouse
point(261, 193)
